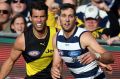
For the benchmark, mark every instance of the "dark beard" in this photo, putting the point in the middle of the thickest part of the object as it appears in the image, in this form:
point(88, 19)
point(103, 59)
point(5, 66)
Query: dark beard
point(43, 30)
point(69, 30)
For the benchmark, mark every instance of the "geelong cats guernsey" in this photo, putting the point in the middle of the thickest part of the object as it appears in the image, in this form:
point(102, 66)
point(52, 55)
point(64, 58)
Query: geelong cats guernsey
point(70, 50)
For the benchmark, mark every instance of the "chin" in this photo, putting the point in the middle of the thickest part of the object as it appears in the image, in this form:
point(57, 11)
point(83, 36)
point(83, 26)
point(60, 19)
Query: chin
point(67, 30)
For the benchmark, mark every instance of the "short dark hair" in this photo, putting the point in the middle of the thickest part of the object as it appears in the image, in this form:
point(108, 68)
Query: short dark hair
point(65, 6)
point(39, 6)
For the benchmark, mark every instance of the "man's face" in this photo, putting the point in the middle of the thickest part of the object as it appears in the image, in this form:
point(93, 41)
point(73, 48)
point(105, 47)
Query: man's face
point(18, 6)
point(4, 12)
point(67, 19)
point(38, 19)
point(91, 24)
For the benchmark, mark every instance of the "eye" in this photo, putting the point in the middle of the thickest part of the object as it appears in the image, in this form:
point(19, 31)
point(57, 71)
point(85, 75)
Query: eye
point(63, 15)
point(35, 16)
point(71, 16)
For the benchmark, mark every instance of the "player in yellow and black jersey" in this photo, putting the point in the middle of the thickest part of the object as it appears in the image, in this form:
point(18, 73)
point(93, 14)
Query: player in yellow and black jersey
point(35, 45)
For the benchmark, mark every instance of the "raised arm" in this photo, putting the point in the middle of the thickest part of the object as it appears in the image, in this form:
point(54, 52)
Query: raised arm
point(14, 55)
point(56, 67)
point(112, 16)
point(49, 3)
point(89, 41)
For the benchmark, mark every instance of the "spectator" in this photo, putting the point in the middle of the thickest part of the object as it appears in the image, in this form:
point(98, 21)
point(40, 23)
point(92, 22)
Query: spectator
point(103, 15)
point(98, 32)
point(91, 21)
point(113, 17)
point(20, 7)
point(116, 38)
point(5, 11)
point(18, 24)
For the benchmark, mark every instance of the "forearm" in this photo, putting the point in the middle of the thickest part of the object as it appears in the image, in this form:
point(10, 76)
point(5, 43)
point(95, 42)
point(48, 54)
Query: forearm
point(6, 68)
point(56, 71)
point(57, 65)
point(106, 58)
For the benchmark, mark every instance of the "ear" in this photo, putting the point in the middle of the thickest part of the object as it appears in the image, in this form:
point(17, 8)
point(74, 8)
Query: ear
point(76, 18)
point(12, 27)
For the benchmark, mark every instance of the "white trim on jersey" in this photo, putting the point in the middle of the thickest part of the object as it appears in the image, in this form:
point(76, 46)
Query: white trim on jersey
point(69, 46)
point(83, 69)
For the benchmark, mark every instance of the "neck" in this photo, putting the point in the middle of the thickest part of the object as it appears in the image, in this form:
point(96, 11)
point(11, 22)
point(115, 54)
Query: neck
point(40, 35)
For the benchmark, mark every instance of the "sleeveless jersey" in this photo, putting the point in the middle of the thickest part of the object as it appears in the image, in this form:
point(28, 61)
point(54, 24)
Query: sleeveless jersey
point(38, 53)
point(70, 50)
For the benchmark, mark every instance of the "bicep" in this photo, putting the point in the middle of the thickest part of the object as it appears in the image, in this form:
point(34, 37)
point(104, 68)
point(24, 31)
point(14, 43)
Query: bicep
point(17, 48)
point(15, 54)
point(89, 41)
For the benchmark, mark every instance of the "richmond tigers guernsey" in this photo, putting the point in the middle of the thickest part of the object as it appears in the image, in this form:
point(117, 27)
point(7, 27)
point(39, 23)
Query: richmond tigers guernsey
point(70, 50)
point(38, 54)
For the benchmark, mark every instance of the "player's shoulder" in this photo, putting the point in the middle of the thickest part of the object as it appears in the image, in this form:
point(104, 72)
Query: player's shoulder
point(20, 38)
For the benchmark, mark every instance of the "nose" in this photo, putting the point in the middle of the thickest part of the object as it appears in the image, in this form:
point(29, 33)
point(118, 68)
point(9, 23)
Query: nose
point(67, 19)
point(39, 19)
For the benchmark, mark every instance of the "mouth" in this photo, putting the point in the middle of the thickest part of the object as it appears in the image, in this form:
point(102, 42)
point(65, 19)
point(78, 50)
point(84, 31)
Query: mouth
point(18, 6)
point(39, 25)
point(67, 24)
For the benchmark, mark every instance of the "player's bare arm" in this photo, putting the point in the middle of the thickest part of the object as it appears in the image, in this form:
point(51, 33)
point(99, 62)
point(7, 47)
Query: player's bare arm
point(55, 71)
point(15, 53)
point(88, 40)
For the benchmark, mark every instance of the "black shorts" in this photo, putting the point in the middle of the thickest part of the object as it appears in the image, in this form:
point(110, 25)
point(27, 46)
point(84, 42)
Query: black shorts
point(44, 74)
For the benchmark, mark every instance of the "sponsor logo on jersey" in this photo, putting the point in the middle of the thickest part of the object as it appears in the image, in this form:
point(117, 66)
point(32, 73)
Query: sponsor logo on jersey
point(74, 53)
point(33, 53)
point(49, 51)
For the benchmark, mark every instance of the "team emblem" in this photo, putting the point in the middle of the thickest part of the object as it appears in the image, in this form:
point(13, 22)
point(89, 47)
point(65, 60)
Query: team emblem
point(34, 53)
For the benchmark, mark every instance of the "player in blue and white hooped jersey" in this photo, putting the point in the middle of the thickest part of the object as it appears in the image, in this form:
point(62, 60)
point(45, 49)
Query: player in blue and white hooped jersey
point(70, 45)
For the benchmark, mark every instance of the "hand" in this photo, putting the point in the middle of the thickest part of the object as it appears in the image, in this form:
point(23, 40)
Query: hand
point(111, 40)
point(107, 68)
point(87, 58)
point(55, 73)
point(105, 37)
point(102, 5)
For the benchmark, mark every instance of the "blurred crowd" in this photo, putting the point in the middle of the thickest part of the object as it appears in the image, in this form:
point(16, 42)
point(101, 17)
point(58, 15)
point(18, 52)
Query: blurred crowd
point(100, 17)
